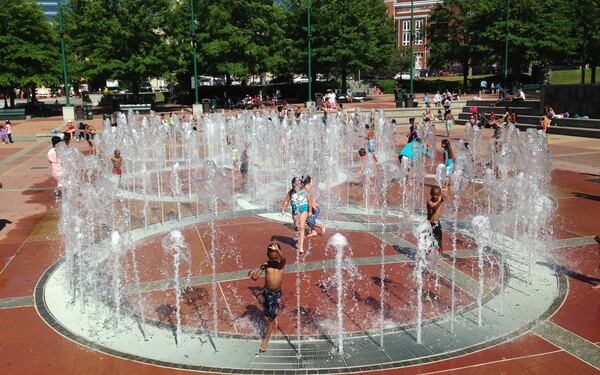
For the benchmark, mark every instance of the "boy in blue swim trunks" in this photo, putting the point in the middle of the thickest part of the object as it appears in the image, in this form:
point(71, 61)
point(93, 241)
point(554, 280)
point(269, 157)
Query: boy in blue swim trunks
point(271, 292)
point(315, 209)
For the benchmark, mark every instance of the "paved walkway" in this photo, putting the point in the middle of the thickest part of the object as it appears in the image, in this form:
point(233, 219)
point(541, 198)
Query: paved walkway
point(565, 343)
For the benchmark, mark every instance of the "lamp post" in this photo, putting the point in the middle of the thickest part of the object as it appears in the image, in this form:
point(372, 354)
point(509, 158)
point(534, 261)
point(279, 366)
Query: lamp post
point(506, 46)
point(194, 42)
point(68, 111)
point(412, 46)
point(309, 32)
point(61, 32)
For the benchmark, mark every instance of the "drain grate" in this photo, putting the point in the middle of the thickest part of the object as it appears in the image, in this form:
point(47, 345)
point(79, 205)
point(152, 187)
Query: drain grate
point(39, 167)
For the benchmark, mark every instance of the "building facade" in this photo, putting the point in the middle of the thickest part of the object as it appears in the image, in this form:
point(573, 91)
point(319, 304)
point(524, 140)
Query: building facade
point(401, 10)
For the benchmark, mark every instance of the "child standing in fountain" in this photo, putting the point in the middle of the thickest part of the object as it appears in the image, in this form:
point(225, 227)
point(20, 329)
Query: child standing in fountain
point(315, 209)
point(434, 213)
point(244, 168)
point(298, 202)
point(117, 162)
point(271, 292)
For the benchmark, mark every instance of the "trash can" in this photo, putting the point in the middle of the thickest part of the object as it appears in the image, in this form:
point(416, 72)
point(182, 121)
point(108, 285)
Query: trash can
point(213, 105)
point(206, 105)
point(79, 113)
point(409, 102)
point(318, 99)
point(89, 115)
point(399, 98)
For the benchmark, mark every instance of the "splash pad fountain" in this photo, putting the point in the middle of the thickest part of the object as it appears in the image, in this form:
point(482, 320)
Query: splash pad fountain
point(155, 263)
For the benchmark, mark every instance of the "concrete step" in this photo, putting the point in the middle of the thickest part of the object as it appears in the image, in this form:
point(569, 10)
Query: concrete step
point(560, 130)
point(502, 110)
point(518, 103)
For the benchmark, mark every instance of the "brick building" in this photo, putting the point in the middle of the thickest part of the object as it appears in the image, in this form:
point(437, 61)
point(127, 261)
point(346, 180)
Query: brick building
point(400, 10)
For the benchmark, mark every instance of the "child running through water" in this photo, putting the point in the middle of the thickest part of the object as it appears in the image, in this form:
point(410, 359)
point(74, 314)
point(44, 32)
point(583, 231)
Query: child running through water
point(448, 161)
point(296, 198)
point(449, 122)
point(117, 162)
point(434, 212)
point(314, 209)
point(371, 141)
point(271, 292)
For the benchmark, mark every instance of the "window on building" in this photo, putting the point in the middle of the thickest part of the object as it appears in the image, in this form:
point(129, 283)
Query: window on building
point(419, 32)
point(405, 38)
point(405, 25)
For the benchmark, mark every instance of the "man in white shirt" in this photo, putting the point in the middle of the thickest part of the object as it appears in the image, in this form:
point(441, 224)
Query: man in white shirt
point(332, 99)
point(520, 95)
point(437, 99)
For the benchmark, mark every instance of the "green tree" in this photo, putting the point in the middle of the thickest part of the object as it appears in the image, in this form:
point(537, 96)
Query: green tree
point(586, 32)
point(540, 34)
point(236, 38)
point(474, 32)
point(28, 46)
point(351, 36)
point(450, 34)
point(123, 40)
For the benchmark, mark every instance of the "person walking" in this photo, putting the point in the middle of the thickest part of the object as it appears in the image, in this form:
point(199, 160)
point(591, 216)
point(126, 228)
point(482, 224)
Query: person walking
point(8, 127)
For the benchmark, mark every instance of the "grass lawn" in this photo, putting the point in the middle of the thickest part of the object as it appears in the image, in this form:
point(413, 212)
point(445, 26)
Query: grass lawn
point(563, 77)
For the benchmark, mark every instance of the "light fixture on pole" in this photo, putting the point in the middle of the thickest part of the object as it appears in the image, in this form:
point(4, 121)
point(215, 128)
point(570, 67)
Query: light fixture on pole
point(506, 47)
point(194, 42)
point(68, 111)
point(309, 35)
point(412, 46)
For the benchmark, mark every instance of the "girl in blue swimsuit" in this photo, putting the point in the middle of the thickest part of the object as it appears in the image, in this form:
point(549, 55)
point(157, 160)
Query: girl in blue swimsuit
point(448, 160)
point(296, 198)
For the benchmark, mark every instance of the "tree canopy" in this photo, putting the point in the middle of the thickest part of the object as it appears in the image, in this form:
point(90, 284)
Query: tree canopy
point(121, 40)
point(28, 46)
point(347, 36)
point(541, 33)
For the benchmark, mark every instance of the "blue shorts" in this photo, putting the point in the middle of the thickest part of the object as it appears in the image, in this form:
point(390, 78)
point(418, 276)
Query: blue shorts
point(312, 219)
point(271, 302)
point(371, 146)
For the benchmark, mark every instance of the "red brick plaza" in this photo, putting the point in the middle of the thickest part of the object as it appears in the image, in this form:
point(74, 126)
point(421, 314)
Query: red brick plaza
point(565, 342)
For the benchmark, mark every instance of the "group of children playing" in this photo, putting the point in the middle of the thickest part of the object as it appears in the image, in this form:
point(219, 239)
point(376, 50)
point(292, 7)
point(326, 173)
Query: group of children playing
point(302, 204)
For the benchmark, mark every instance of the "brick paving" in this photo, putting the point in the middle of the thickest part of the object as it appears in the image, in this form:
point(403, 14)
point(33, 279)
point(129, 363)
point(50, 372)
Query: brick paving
point(29, 245)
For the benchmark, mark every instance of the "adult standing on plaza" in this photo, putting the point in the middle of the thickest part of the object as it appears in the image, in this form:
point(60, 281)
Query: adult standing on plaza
point(55, 163)
point(8, 126)
point(3, 137)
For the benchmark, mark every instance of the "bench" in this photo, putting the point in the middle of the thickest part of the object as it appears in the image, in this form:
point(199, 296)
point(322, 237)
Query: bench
point(135, 107)
point(531, 87)
point(359, 96)
point(12, 114)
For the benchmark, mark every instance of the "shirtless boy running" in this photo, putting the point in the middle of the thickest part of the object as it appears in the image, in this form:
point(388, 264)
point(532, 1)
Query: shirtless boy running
point(117, 162)
point(434, 212)
point(271, 292)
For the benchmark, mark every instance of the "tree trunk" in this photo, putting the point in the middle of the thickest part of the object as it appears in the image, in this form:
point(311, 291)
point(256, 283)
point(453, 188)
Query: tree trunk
point(465, 66)
point(593, 77)
point(12, 98)
point(344, 80)
point(136, 91)
point(228, 79)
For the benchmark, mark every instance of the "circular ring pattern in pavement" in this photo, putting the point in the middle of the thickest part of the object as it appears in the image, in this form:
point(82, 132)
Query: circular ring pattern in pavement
point(524, 302)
